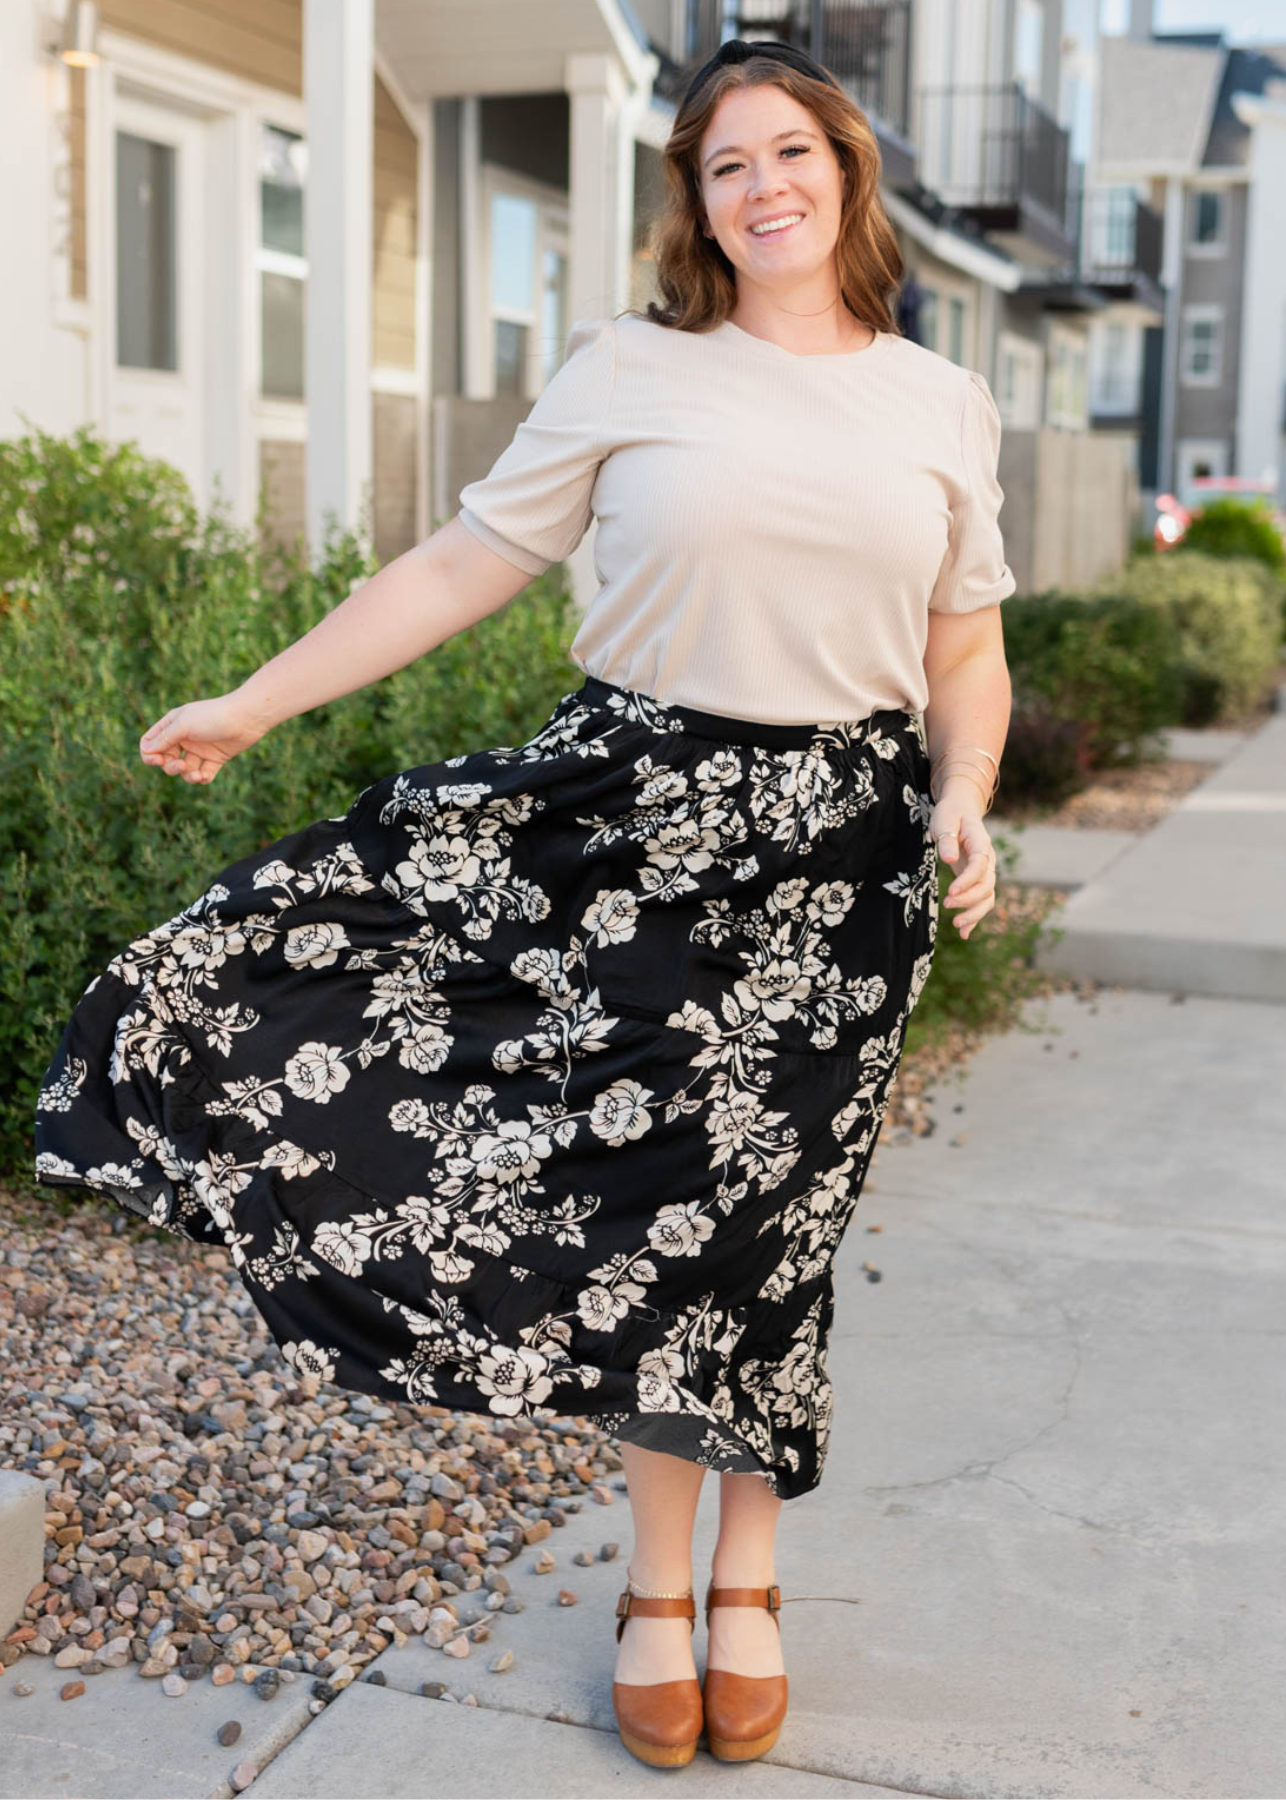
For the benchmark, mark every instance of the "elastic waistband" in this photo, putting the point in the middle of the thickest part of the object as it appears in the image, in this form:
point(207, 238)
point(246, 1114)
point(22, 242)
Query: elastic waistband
point(645, 709)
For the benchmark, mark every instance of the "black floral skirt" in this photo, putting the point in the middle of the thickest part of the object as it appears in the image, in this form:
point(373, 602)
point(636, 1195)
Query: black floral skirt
point(543, 1082)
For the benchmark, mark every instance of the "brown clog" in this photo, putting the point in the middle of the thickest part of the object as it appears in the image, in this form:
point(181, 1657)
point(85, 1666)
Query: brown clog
point(743, 1713)
point(659, 1721)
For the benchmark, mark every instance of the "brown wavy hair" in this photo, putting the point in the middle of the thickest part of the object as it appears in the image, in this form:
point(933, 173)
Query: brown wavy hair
point(696, 280)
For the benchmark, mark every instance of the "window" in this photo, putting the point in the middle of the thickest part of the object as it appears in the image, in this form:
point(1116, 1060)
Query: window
point(928, 313)
point(1018, 382)
point(282, 267)
point(1117, 369)
point(955, 329)
point(1028, 46)
point(146, 259)
point(1065, 402)
point(1207, 220)
point(527, 263)
point(1201, 346)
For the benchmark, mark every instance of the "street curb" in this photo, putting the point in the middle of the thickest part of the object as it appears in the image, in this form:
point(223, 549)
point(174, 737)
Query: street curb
point(22, 1542)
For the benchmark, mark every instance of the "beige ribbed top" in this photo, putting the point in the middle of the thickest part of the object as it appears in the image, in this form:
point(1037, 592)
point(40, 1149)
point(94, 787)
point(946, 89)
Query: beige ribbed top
point(773, 529)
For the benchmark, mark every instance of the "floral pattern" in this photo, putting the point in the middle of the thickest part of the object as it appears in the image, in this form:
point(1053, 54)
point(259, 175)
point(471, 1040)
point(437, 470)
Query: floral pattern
point(544, 1081)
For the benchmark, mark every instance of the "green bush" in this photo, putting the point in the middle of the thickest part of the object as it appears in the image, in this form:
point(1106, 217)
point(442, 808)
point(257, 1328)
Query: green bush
point(117, 601)
point(1231, 527)
point(1222, 619)
point(1104, 664)
point(980, 983)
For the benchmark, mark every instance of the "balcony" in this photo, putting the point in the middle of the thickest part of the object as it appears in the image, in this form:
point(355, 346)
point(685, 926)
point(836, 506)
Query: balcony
point(997, 156)
point(1120, 247)
point(1116, 257)
point(866, 46)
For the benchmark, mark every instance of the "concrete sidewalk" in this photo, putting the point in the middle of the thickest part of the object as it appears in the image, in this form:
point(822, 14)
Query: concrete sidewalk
point(1046, 1554)
point(1198, 903)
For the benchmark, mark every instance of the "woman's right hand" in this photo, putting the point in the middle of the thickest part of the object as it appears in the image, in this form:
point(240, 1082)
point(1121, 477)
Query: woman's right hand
point(196, 739)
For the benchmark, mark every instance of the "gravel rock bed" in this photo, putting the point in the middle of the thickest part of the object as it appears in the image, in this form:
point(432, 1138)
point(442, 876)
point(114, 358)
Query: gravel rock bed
point(210, 1515)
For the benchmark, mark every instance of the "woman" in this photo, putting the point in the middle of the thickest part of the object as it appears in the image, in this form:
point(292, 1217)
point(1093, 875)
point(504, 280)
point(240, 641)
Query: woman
point(545, 1080)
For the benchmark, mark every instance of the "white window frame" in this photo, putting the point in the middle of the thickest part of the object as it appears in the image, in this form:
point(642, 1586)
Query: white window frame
point(235, 107)
point(945, 292)
point(1195, 313)
point(277, 416)
point(553, 230)
point(1190, 450)
point(1020, 371)
point(1067, 361)
point(1125, 404)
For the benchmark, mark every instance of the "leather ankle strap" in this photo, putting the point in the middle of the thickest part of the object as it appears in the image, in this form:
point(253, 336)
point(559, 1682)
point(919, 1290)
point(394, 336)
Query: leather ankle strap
point(667, 1607)
point(745, 1596)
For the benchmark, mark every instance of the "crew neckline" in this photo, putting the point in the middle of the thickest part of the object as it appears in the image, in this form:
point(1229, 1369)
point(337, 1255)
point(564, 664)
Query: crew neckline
point(765, 347)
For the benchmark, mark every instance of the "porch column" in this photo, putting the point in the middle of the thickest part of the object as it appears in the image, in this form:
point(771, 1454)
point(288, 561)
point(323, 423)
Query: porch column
point(1262, 373)
point(602, 187)
point(339, 78)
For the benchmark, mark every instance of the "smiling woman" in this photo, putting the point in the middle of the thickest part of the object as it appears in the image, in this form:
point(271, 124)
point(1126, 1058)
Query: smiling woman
point(546, 1078)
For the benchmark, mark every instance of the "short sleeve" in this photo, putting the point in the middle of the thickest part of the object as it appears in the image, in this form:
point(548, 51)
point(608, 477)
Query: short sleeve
point(533, 507)
point(974, 572)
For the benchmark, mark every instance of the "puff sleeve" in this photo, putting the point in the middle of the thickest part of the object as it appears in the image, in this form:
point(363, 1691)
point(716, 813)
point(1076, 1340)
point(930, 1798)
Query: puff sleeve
point(974, 572)
point(533, 507)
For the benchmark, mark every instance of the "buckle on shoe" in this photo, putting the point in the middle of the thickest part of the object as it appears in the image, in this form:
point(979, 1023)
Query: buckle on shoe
point(774, 1599)
point(623, 1604)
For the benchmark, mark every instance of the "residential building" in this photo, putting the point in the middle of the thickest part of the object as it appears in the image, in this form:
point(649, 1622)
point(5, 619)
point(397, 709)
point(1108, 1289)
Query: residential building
point(332, 248)
point(1197, 129)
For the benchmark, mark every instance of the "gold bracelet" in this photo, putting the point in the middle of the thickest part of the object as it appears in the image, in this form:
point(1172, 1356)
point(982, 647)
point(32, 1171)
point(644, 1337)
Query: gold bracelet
point(990, 798)
point(971, 773)
point(978, 747)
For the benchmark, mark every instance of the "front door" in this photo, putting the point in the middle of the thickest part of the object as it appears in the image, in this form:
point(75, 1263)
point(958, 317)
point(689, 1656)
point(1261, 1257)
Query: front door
point(157, 325)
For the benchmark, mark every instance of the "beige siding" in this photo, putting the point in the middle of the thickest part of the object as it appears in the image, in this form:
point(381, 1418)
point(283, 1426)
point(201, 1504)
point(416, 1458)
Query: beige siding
point(260, 40)
point(79, 283)
point(281, 472)
point(395, 460)
point(393, 296)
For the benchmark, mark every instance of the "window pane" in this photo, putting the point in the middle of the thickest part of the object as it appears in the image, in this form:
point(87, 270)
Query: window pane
point(283, 336)
point(553, 309)
point(928, 318)
point(283, 164)
point(513, 254)
point(511, 356)
point(146, 275)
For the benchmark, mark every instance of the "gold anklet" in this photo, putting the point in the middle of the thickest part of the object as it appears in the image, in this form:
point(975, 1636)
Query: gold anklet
point(653, 1593)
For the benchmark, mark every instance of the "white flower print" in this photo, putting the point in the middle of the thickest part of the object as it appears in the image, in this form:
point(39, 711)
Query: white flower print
point(316, 945)
point(513, 1378)
point(309, 1360)
point(569, 1092)
point(680, 1229)
point(621, 1112)
point(514, 1153)
point(316, 1071)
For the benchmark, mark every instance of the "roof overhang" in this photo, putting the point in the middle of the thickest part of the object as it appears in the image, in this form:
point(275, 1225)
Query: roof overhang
point(441, 49)
point(950, 247)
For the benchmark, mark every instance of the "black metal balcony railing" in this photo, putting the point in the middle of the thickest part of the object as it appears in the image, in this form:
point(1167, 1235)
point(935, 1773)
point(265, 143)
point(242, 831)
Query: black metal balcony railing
point(1120, 235)
point(1116, 237)
point(990, 148)
point(866, 44)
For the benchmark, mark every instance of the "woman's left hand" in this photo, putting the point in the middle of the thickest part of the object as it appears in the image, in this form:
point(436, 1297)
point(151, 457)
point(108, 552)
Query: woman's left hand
point(963, 842)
